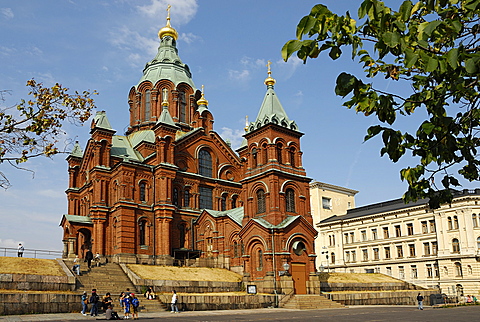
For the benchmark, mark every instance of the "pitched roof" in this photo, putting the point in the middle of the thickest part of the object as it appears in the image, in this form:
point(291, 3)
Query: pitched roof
point(235, 214)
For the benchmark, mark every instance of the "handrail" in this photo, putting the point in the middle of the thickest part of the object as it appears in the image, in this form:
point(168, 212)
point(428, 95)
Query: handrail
point(286, 297)
point(33, 253)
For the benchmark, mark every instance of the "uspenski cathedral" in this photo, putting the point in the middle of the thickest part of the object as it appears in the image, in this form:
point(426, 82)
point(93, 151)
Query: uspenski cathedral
point(171, 191)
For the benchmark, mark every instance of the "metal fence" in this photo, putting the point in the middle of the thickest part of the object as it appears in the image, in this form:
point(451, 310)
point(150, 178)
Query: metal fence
point(32, 253)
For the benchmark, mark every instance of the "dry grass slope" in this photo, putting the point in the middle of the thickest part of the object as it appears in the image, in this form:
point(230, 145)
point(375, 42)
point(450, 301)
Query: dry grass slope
point(30, 266)
point(356, 278)
point(184, 273)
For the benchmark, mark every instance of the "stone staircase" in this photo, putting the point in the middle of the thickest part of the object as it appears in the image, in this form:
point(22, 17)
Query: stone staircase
point(311, 302)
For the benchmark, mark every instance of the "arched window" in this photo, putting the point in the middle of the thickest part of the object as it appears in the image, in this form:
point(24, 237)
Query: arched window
point(458, 269)
point(254, 158)
point(235, 249)
point(143, 188)
point(474, 220)
point(175, 196)
point(450, 226)
point(205, 163)
point(261, 204)
point(186, 198)
point(332, 258)
point(455, 222)
point(478, 243)
point(142, 226)
point(455, 245)
point(223, 202)
point(206, 197)
point(290, 200)
point(260, 260)
point(279, 153)
point(234, 201)
point(292, 156)
point(182, 107)
point(147, 105)
point(265, 154)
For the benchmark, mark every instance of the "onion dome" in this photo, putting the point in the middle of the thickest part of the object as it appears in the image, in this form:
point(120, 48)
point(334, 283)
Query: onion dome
point(168, 30)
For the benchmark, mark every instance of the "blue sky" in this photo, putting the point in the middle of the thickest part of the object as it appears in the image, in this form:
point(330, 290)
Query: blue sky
point(104, 45)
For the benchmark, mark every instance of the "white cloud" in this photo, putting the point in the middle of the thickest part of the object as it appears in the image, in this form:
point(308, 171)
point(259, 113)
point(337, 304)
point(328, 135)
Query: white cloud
point(7, 13)
point(235, 136)
point(239, 75)
point(287, 69)
point(182, 11)
point(252, 62)
point(299, 93)
point(7, 51)
point(9, 243)
point(189, 38)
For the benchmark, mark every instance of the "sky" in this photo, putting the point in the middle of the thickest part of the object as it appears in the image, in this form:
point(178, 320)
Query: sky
point(104, 45)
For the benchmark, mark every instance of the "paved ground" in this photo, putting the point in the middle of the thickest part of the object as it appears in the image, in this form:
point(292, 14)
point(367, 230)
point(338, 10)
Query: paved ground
point(353, 313)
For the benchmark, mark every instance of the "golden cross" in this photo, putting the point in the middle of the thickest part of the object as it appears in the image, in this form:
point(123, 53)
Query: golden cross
point(268, 66)
point(168, 12)
point(202, 89)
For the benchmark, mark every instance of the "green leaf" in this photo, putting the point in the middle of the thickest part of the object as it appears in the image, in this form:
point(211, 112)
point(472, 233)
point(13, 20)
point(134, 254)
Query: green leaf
point(405, 10)
point(290, 47)
point(432, 64)
point(391, 39)
point(345, 84)
point(452, 57)
point(410, 58)
point(335, 52)
point(305, 25)
point(471, 66)
point(430, 27)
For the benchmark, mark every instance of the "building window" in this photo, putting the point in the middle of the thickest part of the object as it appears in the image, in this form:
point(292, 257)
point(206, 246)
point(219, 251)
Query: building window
point(426, 249)
point(432, 225)
point(414, 272)
point(326, 203)
point(234, 201)
point(279, 153)
point(254, 158)
point(182, 107)
point(143, 188)
point(458, 269)
point(260, 260)
point(352, 237)
point(147, 105)
point(424, 227)
point(261, 204)
point(436, 270)
point(434, 248)
point(474, 221)
point(354, 256)
point(205, 163)
point(455, 222)
point(374, 234)
point(410, 229)
point(401, 272)
point(292, 157)
point(347, 256)
point(455, 245)
point(399, 251)
point(386, 234)
point(223, 202)
point(142, 225)
point(478, 243)
point(389, 271)
point(186, 198)
point(331, 240)
point(387, 253)
point(175, 196)
point(365, 254)
point(469, 270)
point(376, 255)
point(265, 153)
point(364, 235)
point(429, 271)
point(450, 225)
point(332, 258)
point(345, 235)
point(290, 200)
point(411, 248)
point(398, 231)
point(235, 249)
point(205, 200)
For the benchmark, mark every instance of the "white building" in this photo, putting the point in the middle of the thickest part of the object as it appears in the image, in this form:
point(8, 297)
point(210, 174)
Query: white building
point(433, 248)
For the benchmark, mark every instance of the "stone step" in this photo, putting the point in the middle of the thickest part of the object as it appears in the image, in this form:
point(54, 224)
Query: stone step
point(306, 302)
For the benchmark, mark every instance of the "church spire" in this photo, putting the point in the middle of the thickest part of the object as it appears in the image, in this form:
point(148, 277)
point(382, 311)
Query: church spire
point(168, 30)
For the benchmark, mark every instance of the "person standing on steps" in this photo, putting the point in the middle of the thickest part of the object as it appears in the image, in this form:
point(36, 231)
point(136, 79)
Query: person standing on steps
point(89, 258)
point(84, 303)
point(94, 299)
point(174, 302)
point(420, 301)
point(135, 304)
point(20, 250)
point(76, 265)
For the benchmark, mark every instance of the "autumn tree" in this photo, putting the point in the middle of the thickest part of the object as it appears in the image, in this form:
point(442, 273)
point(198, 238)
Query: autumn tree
point(433, 47)
point(33, 127)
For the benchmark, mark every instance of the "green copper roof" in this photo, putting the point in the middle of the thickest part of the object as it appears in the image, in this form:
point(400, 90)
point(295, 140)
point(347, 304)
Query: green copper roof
point(285, 223)
point(77, 151)
point(272, 112)
point(167, 65)
point(235, 214)
point(166, 118)
point(78, 219)
point(101, 120)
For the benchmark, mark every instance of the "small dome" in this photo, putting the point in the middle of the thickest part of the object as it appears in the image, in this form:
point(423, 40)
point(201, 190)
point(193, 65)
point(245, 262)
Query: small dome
point(168, 30)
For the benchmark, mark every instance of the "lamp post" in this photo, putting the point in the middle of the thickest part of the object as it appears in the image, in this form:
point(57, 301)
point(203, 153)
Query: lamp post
point(286, 267)
point(326, 256)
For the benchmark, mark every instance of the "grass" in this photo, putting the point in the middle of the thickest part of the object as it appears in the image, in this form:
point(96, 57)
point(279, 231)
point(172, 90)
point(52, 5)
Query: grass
point(174, 273)
point(30, 266)
point(356, 278)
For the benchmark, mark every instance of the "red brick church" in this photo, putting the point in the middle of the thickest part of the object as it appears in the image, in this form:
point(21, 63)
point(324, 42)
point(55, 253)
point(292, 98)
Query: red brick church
point(171, 191)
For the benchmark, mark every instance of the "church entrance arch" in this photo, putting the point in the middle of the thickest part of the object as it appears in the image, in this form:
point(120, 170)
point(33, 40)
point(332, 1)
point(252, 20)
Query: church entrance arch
point(84, 242)
point(299, 276)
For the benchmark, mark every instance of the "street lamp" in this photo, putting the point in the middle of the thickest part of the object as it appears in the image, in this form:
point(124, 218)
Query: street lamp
point(326, 256)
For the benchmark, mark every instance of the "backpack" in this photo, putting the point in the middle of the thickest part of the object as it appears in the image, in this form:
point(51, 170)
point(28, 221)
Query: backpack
point(135, 302)
point(94, 298)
